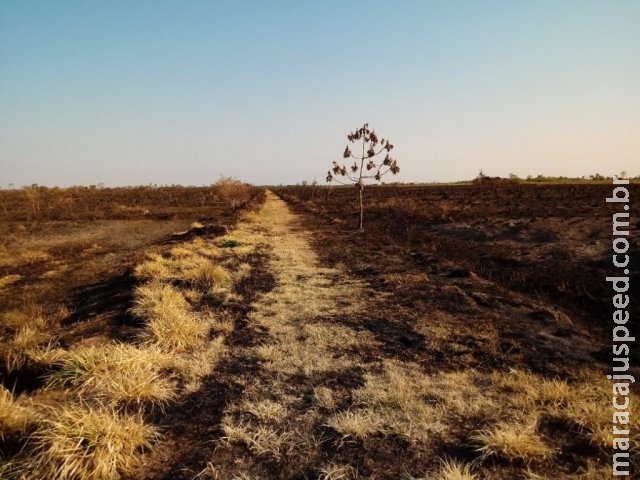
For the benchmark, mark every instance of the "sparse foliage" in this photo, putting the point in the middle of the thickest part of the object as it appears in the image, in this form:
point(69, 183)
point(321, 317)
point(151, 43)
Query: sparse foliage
point(367, 165)
point(232, 191)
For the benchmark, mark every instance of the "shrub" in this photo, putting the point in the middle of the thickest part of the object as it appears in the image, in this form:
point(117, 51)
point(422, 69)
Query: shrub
point(232, 191)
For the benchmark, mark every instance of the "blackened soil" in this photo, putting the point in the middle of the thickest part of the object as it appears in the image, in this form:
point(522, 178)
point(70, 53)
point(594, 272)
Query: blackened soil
point(192, 426)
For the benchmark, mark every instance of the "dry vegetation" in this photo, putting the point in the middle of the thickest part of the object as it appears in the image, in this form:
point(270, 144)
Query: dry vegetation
point(276, 350)
point(97, 426)
point(501, 383)
point(76, 405)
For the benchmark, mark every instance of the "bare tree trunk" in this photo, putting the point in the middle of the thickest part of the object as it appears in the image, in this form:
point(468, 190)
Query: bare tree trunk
point(361, 188)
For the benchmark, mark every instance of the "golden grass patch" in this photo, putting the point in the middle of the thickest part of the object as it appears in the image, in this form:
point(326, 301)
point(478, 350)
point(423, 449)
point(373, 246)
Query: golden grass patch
point(32, 315)
point(117, 375)
point(266, 410)
point(79, 442)
point(222, 323)
point(452, 470)
point(409, 402)
point(171, 325)
point(9, 280)
point(17, 351)
point(512, 440)
point(15, 416)
point(241, 271)
point(21, 257)
point(191, 366)
point(356, 423)
point(209, 277)
point(586, 401)
point(324, 397)
point(310, 347)
point(155, 267)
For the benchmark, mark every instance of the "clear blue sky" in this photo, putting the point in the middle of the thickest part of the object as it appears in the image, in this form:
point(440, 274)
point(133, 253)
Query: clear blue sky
point(138, 92)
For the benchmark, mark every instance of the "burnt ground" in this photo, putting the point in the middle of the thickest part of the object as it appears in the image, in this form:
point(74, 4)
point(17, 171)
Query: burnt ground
point(550, 242)
point(76, 268)
point(428, 302)
point(449, 288)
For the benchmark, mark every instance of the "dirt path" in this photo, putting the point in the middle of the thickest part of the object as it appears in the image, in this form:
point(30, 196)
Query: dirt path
point(263, 403)
point(270, 430)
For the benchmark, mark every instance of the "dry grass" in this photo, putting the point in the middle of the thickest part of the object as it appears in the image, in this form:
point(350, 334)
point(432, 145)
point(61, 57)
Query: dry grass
point(206, 249)
point(222, 323)
point(529, 475)
point(27, 334)
point(262, 440)
point(189, 262)
point(335, 471)
point(87, 420)
point(530, 392)
point(407, 400)
point(511, 441)
point(452, 470)
point(356, 423)
point(266, 410)
point(242, 270)
point(414, 404)
point(324, 397)
point(17, 351)
point(212, 472)
point(117, 375)
point(585, 402)
point(299, 340)
point(20, 257)
point(182, 260)
point(15, 415)
point(9, 280)
point(171, 325)
point(210, 278)
point(190, 367)
point(31, 315)
point(156, 267)
point(79, 442)
point(308, 348)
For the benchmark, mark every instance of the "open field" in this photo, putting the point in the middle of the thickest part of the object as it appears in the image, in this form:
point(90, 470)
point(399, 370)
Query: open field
point(462, 335)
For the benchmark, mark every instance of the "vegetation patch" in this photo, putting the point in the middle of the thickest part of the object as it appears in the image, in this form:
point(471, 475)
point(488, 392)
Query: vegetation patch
point(98, 400)
point(117, 375)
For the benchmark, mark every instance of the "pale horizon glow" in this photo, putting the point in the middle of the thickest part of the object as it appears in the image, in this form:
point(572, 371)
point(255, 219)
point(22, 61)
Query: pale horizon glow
point(164, 92)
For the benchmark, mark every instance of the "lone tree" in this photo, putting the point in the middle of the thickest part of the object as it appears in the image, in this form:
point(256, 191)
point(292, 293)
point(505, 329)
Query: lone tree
point(366, 166)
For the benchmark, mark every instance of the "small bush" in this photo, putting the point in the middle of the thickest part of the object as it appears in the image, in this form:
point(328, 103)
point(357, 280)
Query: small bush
point(232, 191)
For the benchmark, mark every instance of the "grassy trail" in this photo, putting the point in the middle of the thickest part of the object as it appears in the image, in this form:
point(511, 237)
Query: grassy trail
point(258, 414)
point(272, 428)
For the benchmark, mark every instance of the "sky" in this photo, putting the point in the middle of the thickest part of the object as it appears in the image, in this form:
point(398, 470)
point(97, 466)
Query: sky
point(183, 92)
